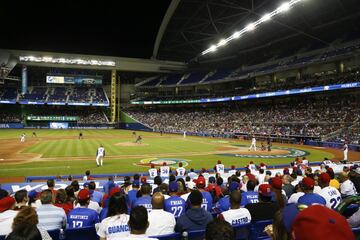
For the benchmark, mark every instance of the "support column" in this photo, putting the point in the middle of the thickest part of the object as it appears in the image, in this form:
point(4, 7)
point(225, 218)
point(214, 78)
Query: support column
point(113, 95)
point(119, 99)
point(24, 80)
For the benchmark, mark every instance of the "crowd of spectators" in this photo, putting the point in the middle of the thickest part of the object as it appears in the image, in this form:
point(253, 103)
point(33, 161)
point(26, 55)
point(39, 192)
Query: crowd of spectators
point(301, 201)
point(10, 118)
point(295, 117)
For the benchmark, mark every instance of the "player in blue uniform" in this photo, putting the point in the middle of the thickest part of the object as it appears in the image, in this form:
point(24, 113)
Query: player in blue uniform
point(174, 204)
point(82, 216)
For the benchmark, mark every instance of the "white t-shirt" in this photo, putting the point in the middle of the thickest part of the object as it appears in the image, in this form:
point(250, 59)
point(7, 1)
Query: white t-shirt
point(164, 171)
point(347, 188)
point(295, 197)
point(6, 221)
point(181, 171)
point(220, 168)
point(114, 227)
point(100, 151)
point(192, 175)
point(152, 172)
point(160, 223)
point(138, 237)
point(237, 216)
point(331, 195)
point(92, 205)
point(317, 189)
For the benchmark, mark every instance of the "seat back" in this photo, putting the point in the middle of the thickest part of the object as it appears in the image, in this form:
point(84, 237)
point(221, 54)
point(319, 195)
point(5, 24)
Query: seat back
point(257, 230)
point(86, 233)
point(196, 234)
point(242, 232)
point(54, 234)
point(173, 236)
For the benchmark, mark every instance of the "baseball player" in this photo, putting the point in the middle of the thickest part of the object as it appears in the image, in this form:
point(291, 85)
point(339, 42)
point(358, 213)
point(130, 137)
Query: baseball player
point(164, 170)
point(253, 144)
point(346, 149)
point(22, 137)
point(184, 134)
point(220, 167)
point(100, 154)
point(138, 139)
point(180, 171)
point(152, 171)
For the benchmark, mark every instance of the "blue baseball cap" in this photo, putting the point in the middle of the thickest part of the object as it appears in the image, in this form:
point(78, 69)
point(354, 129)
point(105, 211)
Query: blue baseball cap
point(86, 184)
point(136, 183)
point(173, 187)
point(234, 186)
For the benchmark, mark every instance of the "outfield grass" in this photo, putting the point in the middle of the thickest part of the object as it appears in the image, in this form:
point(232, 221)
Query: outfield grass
point(64, 145)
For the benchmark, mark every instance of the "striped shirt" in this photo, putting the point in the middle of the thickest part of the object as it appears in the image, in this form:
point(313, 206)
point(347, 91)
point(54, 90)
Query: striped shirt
point(51, 217)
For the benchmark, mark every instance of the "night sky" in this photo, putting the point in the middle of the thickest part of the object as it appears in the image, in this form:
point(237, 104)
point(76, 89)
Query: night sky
point(125, 28)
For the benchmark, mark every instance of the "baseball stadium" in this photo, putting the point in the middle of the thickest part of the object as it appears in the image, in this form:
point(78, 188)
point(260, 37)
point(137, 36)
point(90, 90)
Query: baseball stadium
point(181, 119)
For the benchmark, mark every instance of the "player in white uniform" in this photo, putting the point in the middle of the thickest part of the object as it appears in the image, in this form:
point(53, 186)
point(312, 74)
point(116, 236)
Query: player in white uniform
point(22, 137)
point(153, 171)
point(100, 154)
point(232, 171)
point(346, 149)
point(220, 167)
point(253, 144)
point(164, 170)
point(252, 167)
point(184, 134)
point(180, 171)
point(331, 195)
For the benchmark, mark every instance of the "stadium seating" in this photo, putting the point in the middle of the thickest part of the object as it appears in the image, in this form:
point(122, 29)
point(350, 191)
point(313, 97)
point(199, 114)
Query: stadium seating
point(257, 230)
point(87, 233)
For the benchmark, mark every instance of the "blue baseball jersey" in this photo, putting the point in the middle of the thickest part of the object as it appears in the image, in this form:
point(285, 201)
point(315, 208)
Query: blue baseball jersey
point(175, 205)
point(82, 217)
point(207, 201)
point(223, 204)
point(311, 198)
point(249, 197)
point(103, 214)
point(131, 197)
point(144, 201)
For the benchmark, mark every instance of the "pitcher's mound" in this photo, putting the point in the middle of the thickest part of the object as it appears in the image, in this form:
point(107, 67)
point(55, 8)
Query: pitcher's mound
point(131, 144)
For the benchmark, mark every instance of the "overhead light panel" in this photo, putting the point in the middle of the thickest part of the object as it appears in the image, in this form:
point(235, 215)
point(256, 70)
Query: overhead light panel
point(250, 27)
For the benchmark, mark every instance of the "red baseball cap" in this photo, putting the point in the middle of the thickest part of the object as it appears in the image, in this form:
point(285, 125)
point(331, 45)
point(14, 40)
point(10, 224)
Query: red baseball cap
point(308, 183)
point(319, 222)
point(143, 179)
point(276, 182)
point(200, 182)
point(324, 177)
point(265, 190)
point(84, 194)
point(114, 190)
point(6, 203)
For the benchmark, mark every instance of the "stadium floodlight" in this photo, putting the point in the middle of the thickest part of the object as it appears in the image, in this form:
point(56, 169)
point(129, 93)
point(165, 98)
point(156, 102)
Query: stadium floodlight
point(212, 48)
point(250, 27)
point(222, 42)
point(236, 35)
point(265, 18)
point(284, 7)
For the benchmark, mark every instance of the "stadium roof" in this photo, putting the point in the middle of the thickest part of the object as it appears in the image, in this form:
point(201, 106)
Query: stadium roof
point(198, 24)
point(176, 30)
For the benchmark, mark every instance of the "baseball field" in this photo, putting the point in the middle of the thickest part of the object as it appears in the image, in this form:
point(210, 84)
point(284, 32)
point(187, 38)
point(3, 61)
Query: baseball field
point(61, 152)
